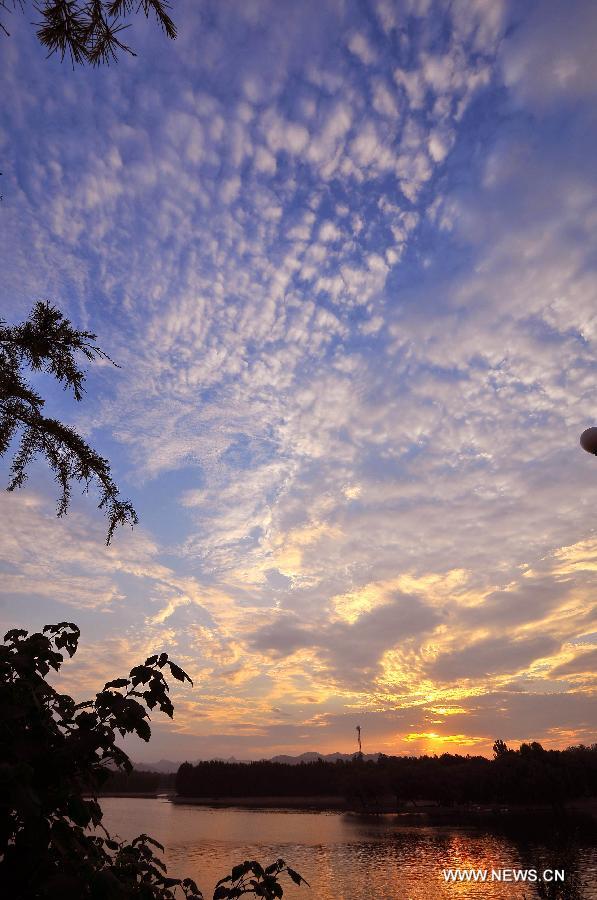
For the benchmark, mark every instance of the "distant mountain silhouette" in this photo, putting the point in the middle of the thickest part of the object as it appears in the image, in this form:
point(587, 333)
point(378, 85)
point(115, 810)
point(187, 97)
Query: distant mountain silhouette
point(167, 766)
point(328, 757)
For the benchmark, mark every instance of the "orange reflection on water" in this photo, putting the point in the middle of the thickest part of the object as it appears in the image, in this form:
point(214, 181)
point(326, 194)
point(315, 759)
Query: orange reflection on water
point(343, 856)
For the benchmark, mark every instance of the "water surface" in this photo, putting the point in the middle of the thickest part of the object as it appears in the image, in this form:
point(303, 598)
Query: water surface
point(344, 857)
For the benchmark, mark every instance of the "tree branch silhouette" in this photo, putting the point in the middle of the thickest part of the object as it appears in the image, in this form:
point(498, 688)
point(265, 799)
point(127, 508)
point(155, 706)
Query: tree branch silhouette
point(90, 31)
point(48, 342)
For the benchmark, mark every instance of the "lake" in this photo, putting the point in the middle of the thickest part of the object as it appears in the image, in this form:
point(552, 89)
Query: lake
point(343, 856)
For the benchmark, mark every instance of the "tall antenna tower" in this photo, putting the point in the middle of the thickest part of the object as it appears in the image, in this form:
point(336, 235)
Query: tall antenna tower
point(359, 739)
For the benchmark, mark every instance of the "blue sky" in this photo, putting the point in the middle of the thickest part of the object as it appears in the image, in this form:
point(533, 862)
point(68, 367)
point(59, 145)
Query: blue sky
point(344, 255)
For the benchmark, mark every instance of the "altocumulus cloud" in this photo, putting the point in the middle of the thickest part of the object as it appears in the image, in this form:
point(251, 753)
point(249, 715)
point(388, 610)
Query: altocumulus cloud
point(344, 256)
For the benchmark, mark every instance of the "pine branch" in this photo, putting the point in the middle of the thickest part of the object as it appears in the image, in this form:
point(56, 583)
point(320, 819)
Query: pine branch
point(48, 342)
point(90, 31)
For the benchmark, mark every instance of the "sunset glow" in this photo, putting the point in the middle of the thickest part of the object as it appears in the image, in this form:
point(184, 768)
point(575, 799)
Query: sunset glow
point(343, 255)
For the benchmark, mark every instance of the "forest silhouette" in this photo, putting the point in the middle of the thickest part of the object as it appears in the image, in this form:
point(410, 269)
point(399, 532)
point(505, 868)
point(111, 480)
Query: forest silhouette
point(530, 775)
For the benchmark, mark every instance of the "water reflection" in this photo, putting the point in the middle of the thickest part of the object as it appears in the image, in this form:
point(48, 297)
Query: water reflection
point(347, 857)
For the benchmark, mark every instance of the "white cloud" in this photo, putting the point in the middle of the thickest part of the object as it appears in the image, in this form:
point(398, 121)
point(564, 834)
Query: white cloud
point(384, 100)
point(329, 232)
point(360, 46)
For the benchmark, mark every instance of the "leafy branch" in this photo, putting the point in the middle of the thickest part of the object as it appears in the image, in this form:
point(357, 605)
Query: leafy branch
point(55, 754)
point(250, 877)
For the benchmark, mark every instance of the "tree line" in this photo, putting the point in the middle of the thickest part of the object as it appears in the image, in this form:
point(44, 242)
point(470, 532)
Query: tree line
point(527, 776)
point(139, 781)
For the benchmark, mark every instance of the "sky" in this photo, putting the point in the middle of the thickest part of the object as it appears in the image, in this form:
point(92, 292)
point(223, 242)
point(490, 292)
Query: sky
point(343, 253)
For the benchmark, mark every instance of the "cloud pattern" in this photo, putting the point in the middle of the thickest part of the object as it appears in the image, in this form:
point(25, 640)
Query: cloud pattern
point(344, 257)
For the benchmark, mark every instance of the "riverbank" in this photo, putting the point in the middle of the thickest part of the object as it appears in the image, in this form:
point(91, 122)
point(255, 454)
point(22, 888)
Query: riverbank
point(421, 814)
point(319, 804)
point(138, 795)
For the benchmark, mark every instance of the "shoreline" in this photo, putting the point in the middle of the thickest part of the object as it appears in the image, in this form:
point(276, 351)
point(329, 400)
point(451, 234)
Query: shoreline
point(320, 804)
point(423, 814)
point(138, 795)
